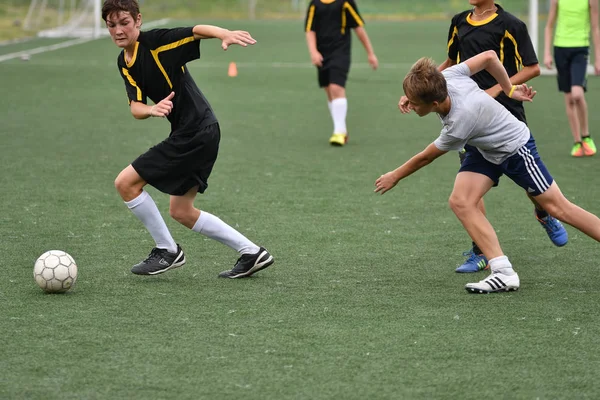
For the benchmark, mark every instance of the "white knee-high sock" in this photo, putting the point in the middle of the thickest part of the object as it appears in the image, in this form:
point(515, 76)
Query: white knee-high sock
point(502, 265)
point(145, 209)
point(339, 109)
point(214, 228)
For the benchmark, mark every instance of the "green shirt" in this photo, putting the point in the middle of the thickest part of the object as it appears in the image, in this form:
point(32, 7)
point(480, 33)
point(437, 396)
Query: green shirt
point(573, 25)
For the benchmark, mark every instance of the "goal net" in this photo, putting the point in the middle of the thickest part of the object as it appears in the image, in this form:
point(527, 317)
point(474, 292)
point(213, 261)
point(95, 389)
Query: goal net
point(65, 18)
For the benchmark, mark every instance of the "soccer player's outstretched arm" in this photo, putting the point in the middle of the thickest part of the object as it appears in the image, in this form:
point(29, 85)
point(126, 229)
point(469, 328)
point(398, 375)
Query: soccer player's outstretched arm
point(227, 37)
point(388, 181)
point(489, 61)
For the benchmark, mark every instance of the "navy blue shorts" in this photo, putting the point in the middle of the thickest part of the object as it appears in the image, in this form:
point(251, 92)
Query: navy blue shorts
point(525, 168)
point(571, 67)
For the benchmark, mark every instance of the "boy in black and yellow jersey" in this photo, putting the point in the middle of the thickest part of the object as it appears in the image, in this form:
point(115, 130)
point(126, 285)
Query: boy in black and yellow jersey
point(328, 28)
point(488, 27)
point(153, 65)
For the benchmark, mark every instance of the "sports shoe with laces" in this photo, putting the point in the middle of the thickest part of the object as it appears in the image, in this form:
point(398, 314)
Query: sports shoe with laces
point(249, 264)
point(159, 261)
point(577, 150)
point(475, 262)
point(338, 139)
point(589, 147)
point(495, 282)
point(555, 230)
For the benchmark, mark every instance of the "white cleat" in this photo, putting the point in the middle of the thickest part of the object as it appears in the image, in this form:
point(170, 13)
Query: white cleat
point(496, 282)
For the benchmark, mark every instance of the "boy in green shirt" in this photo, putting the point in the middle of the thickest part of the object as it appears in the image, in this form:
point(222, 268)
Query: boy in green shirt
point(571, 51)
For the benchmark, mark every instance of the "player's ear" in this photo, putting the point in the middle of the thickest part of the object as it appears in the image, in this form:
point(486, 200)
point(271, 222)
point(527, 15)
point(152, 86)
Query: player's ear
point(138, 21)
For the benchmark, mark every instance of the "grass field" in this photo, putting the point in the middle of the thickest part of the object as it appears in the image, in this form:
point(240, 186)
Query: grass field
point(362, 302)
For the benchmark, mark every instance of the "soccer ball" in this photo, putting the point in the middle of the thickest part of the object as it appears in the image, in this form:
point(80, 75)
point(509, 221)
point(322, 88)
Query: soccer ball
point(55, 271)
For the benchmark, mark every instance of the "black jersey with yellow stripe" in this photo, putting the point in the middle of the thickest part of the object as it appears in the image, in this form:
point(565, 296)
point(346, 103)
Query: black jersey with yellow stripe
point(332, 21)
point(158, 66)
point(502, 32)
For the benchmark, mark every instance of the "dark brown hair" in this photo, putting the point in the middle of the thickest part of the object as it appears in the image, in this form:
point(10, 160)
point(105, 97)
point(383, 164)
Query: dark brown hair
point(425, 82)
point(114, 6)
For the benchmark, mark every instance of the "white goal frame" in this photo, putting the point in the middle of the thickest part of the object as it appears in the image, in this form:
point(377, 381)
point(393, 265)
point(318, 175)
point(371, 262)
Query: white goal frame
point(84, 18)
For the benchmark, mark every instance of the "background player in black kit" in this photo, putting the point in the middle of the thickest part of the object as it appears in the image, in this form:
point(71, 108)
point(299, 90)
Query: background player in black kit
point(327, 25)
point(152, 65)
point(488, 27)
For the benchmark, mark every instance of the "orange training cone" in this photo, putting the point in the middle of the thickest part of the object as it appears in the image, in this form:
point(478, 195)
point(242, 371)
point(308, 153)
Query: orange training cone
point(232, 69)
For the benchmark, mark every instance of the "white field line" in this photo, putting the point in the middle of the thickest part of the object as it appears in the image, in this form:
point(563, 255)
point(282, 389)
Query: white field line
point(68, 43)
point(224, 64)
point(44, 49)
point(16, 41)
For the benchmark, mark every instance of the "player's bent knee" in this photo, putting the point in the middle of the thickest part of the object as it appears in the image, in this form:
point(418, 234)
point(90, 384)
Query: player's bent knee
point(121, 184)
point(458, 204)
point(180, 214)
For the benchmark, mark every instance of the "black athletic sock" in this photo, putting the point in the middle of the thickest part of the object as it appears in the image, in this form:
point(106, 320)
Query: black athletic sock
point(541, 213)
point(476, 249)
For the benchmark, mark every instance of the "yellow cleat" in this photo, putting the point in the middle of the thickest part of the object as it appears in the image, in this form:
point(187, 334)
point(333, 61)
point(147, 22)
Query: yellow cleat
point(338, 139)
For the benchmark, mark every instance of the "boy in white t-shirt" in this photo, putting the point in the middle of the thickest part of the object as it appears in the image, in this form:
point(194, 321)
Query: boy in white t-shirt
point(504, 147)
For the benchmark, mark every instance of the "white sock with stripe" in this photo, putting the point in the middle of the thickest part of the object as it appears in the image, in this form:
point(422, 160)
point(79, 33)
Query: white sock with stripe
point(145, 209)
point(214, 228)
point(501, 265)
point(339, 109)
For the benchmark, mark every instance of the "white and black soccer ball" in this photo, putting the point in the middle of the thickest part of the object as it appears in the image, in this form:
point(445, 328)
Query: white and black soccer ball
point(55, 271)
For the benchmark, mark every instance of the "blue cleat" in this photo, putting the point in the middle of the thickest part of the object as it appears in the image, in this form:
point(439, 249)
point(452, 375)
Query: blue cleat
point(475, 263)
point(556, 232)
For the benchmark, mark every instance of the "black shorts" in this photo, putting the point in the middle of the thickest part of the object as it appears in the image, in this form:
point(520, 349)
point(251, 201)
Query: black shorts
point(181, 161)
point(571, 65)
point(334, 70)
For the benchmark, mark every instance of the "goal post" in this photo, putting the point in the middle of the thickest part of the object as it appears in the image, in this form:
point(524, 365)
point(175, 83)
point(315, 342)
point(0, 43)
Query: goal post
point(534, 28)
point(56, 18)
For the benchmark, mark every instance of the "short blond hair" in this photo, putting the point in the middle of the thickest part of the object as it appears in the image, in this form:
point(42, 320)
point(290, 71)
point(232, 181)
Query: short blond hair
point(425, 82)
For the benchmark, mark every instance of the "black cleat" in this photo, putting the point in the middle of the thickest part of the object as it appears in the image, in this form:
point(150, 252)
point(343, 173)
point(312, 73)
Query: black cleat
point(248, 264)
point(159, 261)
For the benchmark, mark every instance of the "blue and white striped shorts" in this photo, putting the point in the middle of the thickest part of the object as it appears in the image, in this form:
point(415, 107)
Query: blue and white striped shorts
point(525, 168)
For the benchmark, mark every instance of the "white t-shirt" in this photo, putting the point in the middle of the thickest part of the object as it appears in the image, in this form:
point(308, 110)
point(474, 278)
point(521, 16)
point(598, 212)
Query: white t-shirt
point(477, 119)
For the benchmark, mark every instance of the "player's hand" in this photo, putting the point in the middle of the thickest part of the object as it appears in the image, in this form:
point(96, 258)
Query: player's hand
point(241, 38)
point(523, 92)
point(163, 107)
point(385, 182)
point(548, 60)
point(404, 105)
point(316, 58)
point(373, 62)
point(597, 64)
